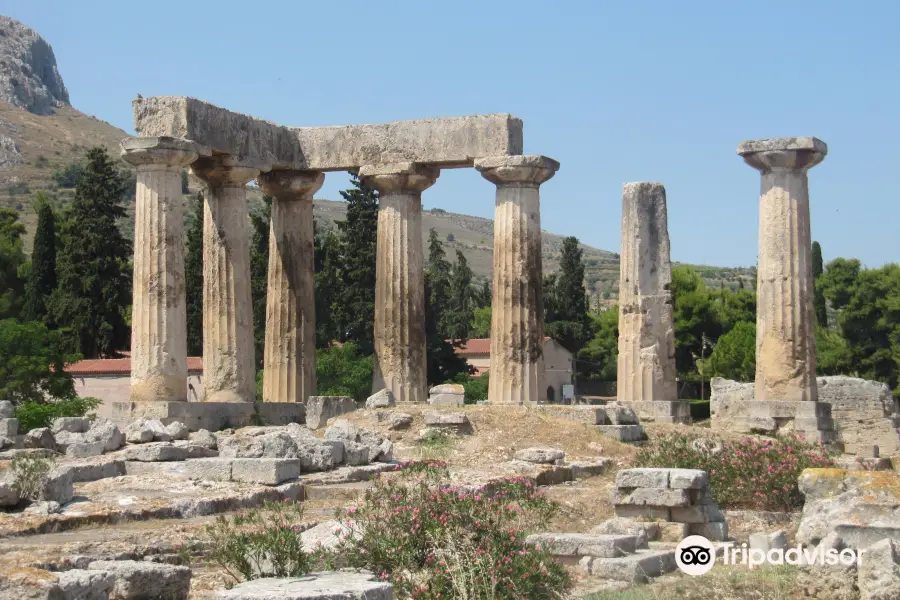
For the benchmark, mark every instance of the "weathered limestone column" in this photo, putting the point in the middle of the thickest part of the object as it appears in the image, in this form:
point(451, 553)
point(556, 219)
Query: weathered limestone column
point(785, 321)
point(400, 279)
point(229, 373)
point(517, 306)
point(289, 363)
point(646, 364)
point(159, 318)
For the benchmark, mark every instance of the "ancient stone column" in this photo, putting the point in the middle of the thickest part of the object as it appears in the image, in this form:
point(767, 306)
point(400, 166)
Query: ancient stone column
point(229, 372)
point(785, 321)
point(400, 278)
point(646, 365)
point(289, 362)
point(159, 318)
point(517, 306)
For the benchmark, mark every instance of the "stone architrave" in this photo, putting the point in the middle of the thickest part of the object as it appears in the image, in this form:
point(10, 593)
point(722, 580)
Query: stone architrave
point(646, 364)
point(229, 373)
point(785, 321)
point(400, 281)
point(159, 318)
point(289, 367)
point(517, 307)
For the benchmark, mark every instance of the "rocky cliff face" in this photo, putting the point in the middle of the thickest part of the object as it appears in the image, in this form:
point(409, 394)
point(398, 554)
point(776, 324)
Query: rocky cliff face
point(29, 78)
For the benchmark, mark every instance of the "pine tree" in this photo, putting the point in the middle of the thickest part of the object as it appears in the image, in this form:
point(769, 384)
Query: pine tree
point(12, 261)
point(259, 270)
point(818, 297)
point(565, 300)
point(458, 316)
point(193, 278)
point(42, 278)
point(93, 263)
point(355, 307)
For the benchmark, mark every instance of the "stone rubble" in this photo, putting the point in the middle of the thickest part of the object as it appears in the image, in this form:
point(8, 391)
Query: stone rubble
point(338, 585)
point(448, 394)
point(136, 580)
point(383, 398)
point(319, 409)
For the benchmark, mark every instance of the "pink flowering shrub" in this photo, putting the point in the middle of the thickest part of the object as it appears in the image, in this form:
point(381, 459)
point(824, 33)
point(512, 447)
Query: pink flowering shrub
point(753, 473)
point(435, 540)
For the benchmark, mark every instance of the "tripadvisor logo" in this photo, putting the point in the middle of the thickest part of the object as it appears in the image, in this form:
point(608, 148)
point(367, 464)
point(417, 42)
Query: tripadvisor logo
point(695, 555)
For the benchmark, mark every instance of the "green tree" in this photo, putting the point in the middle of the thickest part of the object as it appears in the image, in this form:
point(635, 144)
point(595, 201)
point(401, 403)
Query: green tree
point(193, 278)
point(42, 277)
point(818, 296)
point(833, 356)
point(329, 287)
point(185, 189)
point(12, 264)
point(355, 307)
point(342, 370)
point(32, 363)
point(840, 280)
point(565, 301)
point(696, 320)
point(443, 363)
point(93, 262)
point(458, 316)
point(598, 360)
point(482, 295)
point(259, 270)
point(481, 323)
point(734, 356)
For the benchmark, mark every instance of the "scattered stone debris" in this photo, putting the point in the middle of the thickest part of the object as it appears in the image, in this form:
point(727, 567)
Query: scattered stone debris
point(448, 394)
point(315, 586)
point(319, 409)
point(381, 399)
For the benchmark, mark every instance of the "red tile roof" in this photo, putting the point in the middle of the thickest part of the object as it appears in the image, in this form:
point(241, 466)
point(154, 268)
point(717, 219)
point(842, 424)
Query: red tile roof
point(119, 366)
point(479, 346)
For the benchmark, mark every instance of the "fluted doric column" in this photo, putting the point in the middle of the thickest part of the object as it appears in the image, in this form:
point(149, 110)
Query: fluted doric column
point(289, 362)
point(159, 318)
point(400, 280)
point(517, 305)
point(229, 373)
point(785, 321)
point(646, 364)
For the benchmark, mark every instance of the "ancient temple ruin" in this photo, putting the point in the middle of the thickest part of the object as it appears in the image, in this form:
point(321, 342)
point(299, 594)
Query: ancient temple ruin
point(401, 160)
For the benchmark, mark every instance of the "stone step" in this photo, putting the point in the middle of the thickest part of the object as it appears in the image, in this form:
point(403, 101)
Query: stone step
point(340, 491)
point(634, 568)
point(574, 545)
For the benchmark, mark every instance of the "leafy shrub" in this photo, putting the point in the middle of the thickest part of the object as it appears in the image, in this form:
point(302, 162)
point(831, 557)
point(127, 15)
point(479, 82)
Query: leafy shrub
point(700, 410)
point(32, 415)
point(434, 540)
point(343, 371)
point(30, 475)
point(734, 356)
point(263, 542)
point(753, 473)
point(476, 387)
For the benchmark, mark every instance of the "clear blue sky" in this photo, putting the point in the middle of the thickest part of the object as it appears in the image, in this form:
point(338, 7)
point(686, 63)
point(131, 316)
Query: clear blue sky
point(616, 91)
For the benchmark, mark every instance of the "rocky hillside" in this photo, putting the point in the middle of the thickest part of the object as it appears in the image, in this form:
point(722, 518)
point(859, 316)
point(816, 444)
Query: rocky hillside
point(29, 78)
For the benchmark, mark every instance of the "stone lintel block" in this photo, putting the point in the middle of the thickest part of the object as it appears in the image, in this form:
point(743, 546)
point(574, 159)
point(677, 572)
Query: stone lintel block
point(623, 433)
point(688, 479)
point(170, 151)
point(212, 416)
point(444, 142)
point(781, 145)
point(321, 585)
point(581, 544)
point(643, 477)
point(656, 513)
point(267, 471)
point(652, 497)
point(715, 532)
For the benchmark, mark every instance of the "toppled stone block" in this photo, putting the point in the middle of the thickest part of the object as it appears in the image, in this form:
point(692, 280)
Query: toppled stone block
point(355, 454)
point(139, 580)
point(9, 428)
point(456, 421)
point(193, 450)
point(43, 508)
point(580, 544)
point(585, 469)
point(266, 471)
point(40, 437)
point(878, 575)
point(106, 432)
point(177, 430)
point(589, 415)
point(156, 452)
point(210, 469)
point(635, 568)
point(93, 469)
point(381, 399)
point(688, 479)
point(7, 409)
point(618, 414)
point(269, 444)
point(400, 421)
point(144, 430)
point(337, 585)
point(9, 494)
point(321, 408)
point(623, 433)
point(651, 497)
point(341, 429)
point(319, 455)
point(448, 394)
point(58, 486)
point(546, 456)
point(643, 478)
point(70, 424)
point(26, 583)
point(642, 531)
point(385, 452)
point(203, 438)
point(85, 449)
point(541, 474)
point(80, 584)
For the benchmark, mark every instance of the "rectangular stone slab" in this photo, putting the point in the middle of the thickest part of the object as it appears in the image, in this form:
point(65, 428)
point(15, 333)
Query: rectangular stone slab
point(446, 142)
point(580, 544)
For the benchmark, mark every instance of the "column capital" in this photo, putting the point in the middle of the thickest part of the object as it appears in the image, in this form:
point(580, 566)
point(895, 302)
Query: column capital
point(792, 154)
point(291, 185)
point(399, 178)
point(223, 170)
point(517, 170)
point(161, 152)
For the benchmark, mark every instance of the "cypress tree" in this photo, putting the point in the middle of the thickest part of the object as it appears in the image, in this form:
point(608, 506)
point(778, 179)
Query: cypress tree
point(566, 306)
point(259, 269)
point(443, 364)
point(354, 309)
point(12, 259)
point(42, 278)
point(818, 297)
point(329, 288)
point(193, 278)
point(93, 263)
point(458, 317)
